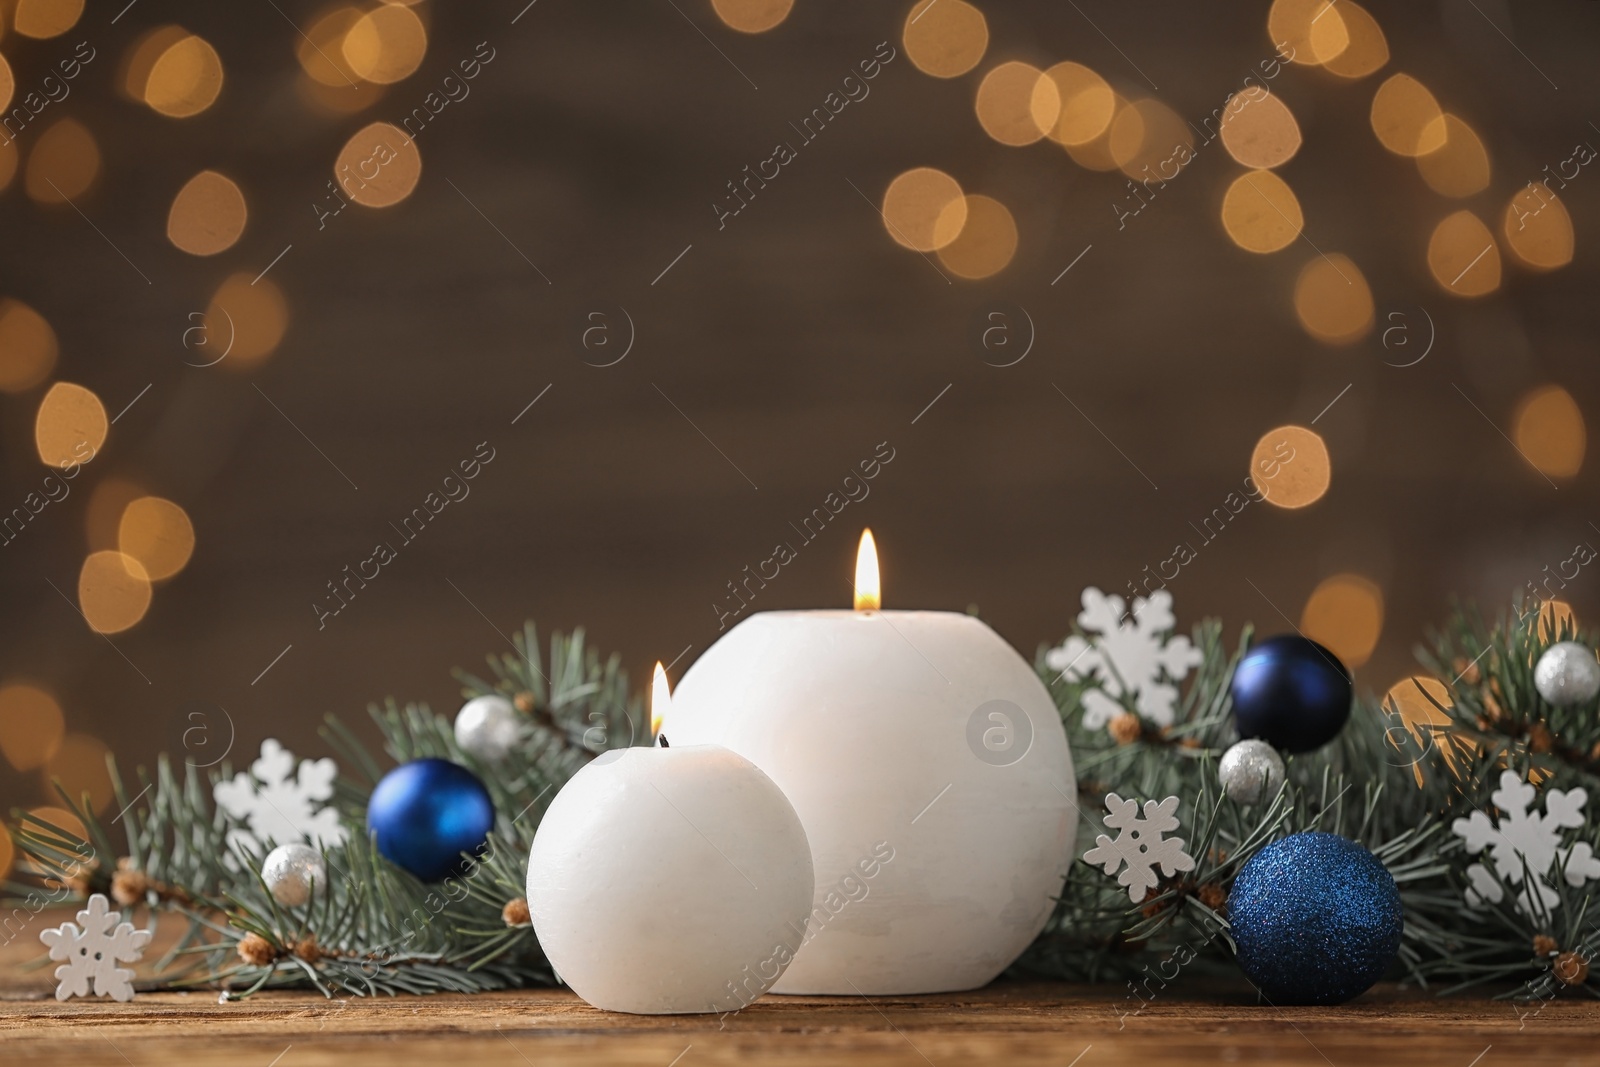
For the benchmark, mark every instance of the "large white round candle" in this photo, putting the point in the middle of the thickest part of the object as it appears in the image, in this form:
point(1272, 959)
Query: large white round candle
point(930, 768)
point(669, 880)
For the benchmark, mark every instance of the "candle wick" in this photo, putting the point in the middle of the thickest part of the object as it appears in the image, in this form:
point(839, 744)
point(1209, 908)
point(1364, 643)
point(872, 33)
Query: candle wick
point(662, 741)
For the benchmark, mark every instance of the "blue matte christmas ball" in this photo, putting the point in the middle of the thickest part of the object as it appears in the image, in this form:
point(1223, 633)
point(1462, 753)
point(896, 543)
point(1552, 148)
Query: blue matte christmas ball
point(1292, 693)
point(426, 813)
point(1317, 919)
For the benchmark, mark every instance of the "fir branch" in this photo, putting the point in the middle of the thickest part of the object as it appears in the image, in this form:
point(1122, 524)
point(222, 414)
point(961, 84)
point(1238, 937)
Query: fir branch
point(1395, 785)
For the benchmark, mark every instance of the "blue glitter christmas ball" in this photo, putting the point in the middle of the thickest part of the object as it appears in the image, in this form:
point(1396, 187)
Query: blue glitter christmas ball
point(1317, 919)
point(426, 813)
point(1292, 693)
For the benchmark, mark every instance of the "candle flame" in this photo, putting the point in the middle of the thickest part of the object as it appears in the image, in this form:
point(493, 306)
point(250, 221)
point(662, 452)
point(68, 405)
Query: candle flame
point(869, 594)
point(660, 699)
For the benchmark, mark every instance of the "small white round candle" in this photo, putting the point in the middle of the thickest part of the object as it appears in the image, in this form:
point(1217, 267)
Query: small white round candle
point(931, 770)
point(666, 880)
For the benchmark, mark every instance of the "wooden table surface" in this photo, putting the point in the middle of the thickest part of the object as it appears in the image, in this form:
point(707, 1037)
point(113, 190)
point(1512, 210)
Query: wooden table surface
point(1006, 1023)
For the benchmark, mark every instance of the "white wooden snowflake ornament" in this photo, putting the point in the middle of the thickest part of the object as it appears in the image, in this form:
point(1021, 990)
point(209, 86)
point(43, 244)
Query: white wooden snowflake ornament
point(1521, 834)
point(91, 954)
point(1133, 653)
point(280, 803)
point(1139, 844)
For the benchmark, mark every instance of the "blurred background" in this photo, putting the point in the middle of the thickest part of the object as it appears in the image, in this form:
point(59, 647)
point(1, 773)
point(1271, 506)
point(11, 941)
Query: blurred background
point(660, 275)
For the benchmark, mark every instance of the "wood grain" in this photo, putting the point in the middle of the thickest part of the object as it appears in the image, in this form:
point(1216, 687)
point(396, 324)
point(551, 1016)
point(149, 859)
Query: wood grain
point(1006, 1023)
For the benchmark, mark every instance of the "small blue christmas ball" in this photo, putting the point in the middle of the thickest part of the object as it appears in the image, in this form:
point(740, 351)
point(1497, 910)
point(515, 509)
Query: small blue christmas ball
point(426, 813)
point(1317, 919)
point(1292, 693)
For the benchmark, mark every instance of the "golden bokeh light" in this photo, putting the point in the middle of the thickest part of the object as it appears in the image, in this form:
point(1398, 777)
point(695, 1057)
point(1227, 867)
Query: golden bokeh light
point(1549, 431)
point(1538, 229)
point(1290, 467)
point(752, 16)
point(71, 425)
point(945, 38)
point(1291, 25)
point(31, 725)
point(103, 516)
point(1125, 136)
point(1016, 103)
point(1085, 104)
point(1406, 117)
point(378, 166)
point(1260, 212)
point(207, 215)
point(1459, 167)
point(1463, 257)
point(8, 86)
point(1365, 50)
point(27, 347)
point(158, 534)
point(79, 764)
point(8, 853)
point(113, 591)
point(986, 242)
point(1095, 153)
point(246, 319)
point(1149, 141)
point(1419, 702)
point(386, 45)
point(1259, 132)
point(321, 49)
point(1409, 697)
point(1332, 300)
point(1345, 615)
point(60, 818)
point(46, 18)
point(63, 164)
point(1329, 37)
point(924, 209)
point(342, 99)
point(1556, 616)
point(133, 75)
point(185, 78)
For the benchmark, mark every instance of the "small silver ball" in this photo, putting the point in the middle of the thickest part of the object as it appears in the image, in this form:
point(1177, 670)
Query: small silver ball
point(291, 871)
point(1251, 771)
point(1567, 674)
point(488, 727)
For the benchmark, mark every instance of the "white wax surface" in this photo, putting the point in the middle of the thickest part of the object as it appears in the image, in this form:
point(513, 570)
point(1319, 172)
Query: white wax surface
point(669, 880)
point(865, 721)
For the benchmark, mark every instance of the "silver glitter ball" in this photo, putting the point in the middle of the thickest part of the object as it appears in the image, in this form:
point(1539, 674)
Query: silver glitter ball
point(1251, 771)
point(1567, 674)
point(291, 871)
point(488, 727)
